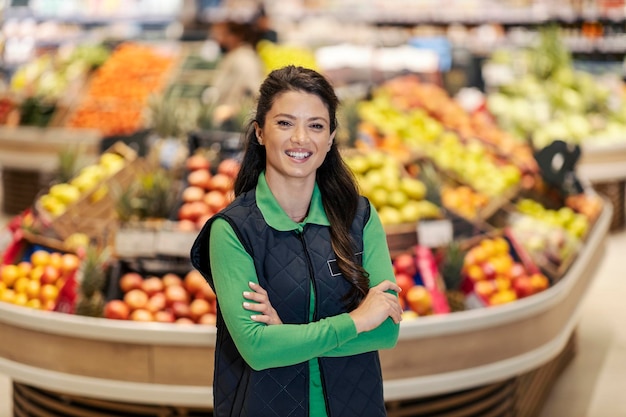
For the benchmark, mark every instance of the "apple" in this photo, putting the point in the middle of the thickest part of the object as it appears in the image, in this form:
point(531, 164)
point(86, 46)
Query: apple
point(117, 310)
point(229, 167)
point(193, 210)
point(523, 286)
point(404, 281)
point(206, 293)
point(208, 318)
point(171, 278)
point(405, 263)
point(419, 300)
point(215, 200)
point(184, 320)
point(196, 162)
point(156, 302)
point(502, 297)
point(186, 226)
point(164, 316)
point(221, 182)
point(40, 257)
point(69, 264)
point(193, 193)
point(516, 270)
point(194, 282)
point(9, 274)
point(198, 308)
point(141, 315)
point(200, 178)
point(176, 293)
point(152, 285)
point(130, 281)
point(489, 270)
point(33, 288)
point(181, 309)
point(24, 268)
point(50, 274)
point(484, 289)
point(136, 299)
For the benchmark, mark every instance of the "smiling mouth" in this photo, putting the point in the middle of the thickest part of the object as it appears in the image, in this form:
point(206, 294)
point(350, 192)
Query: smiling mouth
point(298, 155)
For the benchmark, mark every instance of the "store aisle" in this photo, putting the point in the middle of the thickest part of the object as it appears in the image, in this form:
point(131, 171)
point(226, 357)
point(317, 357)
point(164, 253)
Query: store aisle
point(592, 386)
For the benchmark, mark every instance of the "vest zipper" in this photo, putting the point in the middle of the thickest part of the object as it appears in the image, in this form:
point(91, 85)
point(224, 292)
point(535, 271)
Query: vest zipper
point(310, 268)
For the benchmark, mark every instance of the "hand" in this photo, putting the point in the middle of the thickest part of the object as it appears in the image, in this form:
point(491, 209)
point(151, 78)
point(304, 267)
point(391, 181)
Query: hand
point(377, 306)
point(262, 305)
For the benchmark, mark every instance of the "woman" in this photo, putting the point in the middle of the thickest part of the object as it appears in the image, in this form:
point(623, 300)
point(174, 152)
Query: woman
point(301, 268)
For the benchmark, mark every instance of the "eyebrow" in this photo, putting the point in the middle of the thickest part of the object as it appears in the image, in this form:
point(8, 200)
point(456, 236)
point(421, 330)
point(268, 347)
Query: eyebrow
point(311, 119)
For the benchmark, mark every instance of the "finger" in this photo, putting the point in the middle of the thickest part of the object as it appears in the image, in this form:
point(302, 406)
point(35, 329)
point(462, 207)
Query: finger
point(260, 318)
point(388, 285)
point(253, 296)
point(259, 308)
point(257, 288)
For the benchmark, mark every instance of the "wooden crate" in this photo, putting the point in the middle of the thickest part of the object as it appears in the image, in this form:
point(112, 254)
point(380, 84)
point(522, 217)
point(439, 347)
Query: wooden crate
point(96, 216)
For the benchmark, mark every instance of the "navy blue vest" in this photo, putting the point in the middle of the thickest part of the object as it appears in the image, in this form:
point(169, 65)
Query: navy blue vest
point(286, 263)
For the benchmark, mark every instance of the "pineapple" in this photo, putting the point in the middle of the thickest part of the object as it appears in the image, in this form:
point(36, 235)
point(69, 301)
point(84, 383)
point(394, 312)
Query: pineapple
point(91, 281)
point(432, 181)
point(450, 270)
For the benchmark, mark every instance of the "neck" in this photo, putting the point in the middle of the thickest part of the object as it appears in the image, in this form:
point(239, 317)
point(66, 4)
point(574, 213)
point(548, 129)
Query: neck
point(293, 196)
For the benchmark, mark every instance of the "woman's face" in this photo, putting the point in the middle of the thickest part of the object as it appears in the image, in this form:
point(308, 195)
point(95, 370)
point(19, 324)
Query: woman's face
point(296, 135)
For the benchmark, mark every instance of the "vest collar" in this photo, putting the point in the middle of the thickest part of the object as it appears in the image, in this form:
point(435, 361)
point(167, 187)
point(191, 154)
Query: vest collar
point(276, 217)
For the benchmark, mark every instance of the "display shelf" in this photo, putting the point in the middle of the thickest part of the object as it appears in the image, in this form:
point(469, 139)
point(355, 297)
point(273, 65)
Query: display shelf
point(157, 363)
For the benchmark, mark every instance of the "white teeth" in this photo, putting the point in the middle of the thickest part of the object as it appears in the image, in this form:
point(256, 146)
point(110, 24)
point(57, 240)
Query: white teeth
point(299, 155)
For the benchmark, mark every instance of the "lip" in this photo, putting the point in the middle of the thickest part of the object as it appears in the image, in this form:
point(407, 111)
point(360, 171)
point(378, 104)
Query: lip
point(299, 155)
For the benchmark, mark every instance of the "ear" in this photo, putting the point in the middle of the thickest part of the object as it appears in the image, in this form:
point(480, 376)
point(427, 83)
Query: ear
point(259, 133)
point(331, 139)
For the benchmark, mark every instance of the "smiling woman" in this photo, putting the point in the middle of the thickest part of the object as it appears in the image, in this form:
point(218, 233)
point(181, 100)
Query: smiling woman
point(300, 266)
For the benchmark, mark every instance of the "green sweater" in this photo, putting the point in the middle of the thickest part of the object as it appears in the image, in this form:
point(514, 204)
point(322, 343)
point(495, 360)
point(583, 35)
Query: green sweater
point(264, 346)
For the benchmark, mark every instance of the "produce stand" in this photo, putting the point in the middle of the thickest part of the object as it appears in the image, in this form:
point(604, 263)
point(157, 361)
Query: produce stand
point(500, 361)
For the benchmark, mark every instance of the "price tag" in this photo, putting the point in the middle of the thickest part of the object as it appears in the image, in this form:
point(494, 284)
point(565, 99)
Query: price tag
point(174, 243)
point(434, 233)
point(134, 242)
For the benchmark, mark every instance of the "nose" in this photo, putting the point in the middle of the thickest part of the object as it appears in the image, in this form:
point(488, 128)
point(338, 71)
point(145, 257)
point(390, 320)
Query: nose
point(300, 135)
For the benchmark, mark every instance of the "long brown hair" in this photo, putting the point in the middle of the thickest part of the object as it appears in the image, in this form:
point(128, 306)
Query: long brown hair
point(336, 182)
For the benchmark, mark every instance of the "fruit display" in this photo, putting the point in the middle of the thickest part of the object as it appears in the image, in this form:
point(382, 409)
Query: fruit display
point(421, 112)
point(495, 275)
point(275, 55)
point(206, 191)
point(577, 224)
point(543, 97)
point(463, 200)
point(398, 197)
point(37, 280)
point(51, 78)
point(169, 298)
point(60, 196)
point(117, 95)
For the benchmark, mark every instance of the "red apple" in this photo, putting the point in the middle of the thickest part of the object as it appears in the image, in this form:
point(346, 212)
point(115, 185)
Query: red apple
point(181, 309)
point(405, 263)
point(176, 293)
point(164, 316)
point(229, 167)
point(117, 310)
point(208, 318)
point(221, 182)
point(197, 161)
point(184, 320)
point(141, 315)
point(136, 299)
point(198, 308)
point(485, 289)
point(193, 193)
point(50, 274)
point(206, 293)
point(216, 200)
point(523, 286)
point(186, 226)
point(152, 285)
point(200, 178)
point(194, 281)
point(69, 263)
point(405, 282)
point(489, 270)
point(130, 281)
point(156, 303)
point(171, 278)
point(516, 270)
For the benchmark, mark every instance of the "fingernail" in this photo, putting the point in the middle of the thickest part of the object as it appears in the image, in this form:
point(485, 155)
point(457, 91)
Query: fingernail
point(253, 317)
point(251, 283)
point(246, 304)
point(246, 294)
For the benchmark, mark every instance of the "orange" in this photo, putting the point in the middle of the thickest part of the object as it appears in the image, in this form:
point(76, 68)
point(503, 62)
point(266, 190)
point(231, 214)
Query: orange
point(21, 284)
point(9, 274)
point(33, 289)
point(40, 257)
point(20, 299)
point(24, 267)
point(48, 292)
point(34, 303)
point(55, 259)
